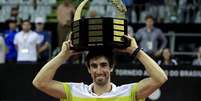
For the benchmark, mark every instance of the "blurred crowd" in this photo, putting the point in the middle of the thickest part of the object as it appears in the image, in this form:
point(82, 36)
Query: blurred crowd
point(163, 11)
point(23, 43)
point(25, 9)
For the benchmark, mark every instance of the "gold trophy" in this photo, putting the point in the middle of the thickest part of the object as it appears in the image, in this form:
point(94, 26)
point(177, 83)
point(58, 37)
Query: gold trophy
point(103, 32)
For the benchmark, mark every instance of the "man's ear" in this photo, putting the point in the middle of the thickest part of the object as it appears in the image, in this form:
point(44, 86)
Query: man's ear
point(88, 68)
point(112, 68)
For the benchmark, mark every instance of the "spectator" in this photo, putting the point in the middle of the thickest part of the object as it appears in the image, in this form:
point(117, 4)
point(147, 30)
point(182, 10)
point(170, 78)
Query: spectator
point(197, 62)
point(65, 12)
point(2, 50)
point(98, 6)
point(93, 14)
point(150, 36)
point(130, 31)
point(45, 36)
point(27, 42)
point(9, 34)
point(102, 8)
point(167, 58)
point(15, 14)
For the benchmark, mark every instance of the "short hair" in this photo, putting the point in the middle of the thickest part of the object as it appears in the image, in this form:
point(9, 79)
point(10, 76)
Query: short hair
point(108, 54)
point(149, 17)
point(11, 20)
point(26, 20)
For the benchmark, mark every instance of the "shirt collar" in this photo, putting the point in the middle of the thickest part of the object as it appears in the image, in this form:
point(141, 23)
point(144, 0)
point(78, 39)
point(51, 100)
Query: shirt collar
point(152, 29)
point(114, 87)
point(27, 32)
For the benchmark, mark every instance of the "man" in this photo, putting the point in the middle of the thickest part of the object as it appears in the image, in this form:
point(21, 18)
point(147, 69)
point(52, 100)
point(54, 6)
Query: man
point(27, 43)
point(100, 65)
point(97, 7)
point(9, 34)
point(45, 36)
point(150, 36)
point(65, 12)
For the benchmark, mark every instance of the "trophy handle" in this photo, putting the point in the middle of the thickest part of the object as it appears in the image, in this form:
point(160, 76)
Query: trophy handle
point(79, 10)
point(121, 8)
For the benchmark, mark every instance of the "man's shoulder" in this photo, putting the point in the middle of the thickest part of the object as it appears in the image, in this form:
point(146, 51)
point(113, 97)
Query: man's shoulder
point(18, 34)
point(126, 85)
point(196, 60)
point(33, 33)
point(45, 33)
point(141, 29)
point(6, 31)
point(157, 29)
point(77, 85)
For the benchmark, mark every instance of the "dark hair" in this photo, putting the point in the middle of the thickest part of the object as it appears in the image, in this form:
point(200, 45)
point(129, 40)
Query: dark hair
point(98, 53)
point(11, 20)
point(26, 21)
point(149, 17)
point(162, 58)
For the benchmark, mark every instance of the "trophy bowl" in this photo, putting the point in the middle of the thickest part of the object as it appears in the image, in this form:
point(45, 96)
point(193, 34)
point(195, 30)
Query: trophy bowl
point(94, 33)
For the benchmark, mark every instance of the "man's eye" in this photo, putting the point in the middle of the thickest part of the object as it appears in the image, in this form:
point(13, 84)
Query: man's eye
point(94, 66)
point(104, 65)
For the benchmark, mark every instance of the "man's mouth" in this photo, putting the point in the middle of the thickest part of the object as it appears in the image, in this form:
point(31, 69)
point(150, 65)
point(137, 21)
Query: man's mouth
point(100, 76)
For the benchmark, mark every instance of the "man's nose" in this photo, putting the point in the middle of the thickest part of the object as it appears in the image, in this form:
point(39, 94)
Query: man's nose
point(99, 69)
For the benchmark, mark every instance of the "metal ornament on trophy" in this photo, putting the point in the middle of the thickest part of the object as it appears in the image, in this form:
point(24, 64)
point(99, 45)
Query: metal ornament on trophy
point(103, 32)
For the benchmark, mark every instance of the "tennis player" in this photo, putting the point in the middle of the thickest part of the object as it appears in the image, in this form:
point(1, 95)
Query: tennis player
point(100, 66)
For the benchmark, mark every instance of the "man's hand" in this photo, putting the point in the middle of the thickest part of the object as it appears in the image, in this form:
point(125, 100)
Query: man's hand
point(131, 48)
point(66, 52)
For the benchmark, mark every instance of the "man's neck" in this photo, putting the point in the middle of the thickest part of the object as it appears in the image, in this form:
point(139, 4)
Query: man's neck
point(149, 29)
point(25, 31)
point(39, 30)
point(12, 29)
point(99, 90)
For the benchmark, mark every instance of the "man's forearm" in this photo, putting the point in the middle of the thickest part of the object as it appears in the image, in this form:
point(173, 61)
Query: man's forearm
point(48, 71)
point(154, 70)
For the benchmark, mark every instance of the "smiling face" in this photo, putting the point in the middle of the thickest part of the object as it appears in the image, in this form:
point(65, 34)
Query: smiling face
point(100, 70)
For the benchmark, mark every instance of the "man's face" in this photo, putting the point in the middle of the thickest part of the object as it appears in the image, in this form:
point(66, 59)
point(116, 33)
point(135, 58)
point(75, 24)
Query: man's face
point(26, 26)
point(12, 25)
point(100, 70)
point(149, 23)
point(39, 26)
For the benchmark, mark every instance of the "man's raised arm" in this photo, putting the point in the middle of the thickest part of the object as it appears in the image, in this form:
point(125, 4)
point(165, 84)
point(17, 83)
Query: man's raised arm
point(44, 79)
point(157, 75)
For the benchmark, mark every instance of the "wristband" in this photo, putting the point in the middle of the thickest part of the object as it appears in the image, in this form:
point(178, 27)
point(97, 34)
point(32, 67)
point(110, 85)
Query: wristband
point(134, 54)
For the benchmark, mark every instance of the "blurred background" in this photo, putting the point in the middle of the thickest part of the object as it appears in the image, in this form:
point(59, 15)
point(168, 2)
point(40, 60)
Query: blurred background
point(32, 32)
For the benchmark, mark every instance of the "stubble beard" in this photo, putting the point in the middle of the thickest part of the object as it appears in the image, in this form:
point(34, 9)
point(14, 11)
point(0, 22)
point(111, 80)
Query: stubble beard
point(102, 81)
